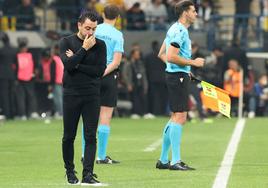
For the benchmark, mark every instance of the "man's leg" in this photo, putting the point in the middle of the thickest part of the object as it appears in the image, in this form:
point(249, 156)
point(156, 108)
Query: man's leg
point(163, 162)
point(176, 125)
point(71, 114)
point(165, 144)
point(177, 121)
point(21, 100)
point(90, 115)
point(104, 131)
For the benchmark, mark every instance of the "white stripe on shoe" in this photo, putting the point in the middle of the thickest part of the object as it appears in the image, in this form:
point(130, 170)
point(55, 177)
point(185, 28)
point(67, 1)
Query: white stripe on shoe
point(95, 184)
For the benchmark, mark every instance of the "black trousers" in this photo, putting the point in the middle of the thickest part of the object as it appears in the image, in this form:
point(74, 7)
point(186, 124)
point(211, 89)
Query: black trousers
point(157, 98)
point(89, 108)
point(6, 97)
point(138, 99)
point(26, 98)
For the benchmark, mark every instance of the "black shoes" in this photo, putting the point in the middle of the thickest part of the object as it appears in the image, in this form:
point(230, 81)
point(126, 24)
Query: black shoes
point(89, 179)
point(180, 166)
point(82, 160)
point(161, 165)
point(107, 160)
point(71, 178)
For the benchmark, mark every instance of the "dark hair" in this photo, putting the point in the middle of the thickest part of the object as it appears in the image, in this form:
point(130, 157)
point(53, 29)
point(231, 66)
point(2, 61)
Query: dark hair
point(133, 51)
point(155, 45)
point(182, 6)
point(22, 42)
point(46, 52)
point(90, 14)
point(4, 38)
point(111, 12)
point(136, 5)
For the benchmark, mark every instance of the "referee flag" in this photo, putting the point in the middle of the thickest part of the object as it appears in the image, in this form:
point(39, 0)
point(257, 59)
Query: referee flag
point(216, 99)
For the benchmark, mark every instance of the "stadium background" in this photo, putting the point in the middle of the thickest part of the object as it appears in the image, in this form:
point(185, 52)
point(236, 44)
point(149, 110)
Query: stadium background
point(19, 135)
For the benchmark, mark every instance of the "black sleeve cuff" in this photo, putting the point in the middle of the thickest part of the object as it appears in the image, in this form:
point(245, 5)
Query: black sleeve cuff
point(174, 44)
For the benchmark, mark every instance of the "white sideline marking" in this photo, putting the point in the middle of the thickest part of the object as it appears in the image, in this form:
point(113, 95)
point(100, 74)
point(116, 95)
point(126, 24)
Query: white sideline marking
point(224, 171)
point(153, 146)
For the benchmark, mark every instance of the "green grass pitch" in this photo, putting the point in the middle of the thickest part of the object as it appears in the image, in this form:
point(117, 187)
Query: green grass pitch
point(30, 154)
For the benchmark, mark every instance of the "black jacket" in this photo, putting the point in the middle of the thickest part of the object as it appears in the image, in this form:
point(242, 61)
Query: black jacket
point(7, 60)
point(82, 71)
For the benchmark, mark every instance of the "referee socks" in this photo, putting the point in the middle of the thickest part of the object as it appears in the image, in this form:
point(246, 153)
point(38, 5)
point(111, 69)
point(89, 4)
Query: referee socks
point(165, 144)
point(103, 135)
point(175, 139)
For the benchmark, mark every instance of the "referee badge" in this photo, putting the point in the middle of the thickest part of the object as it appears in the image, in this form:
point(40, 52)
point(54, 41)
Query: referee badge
point(181, 79)
point(115, 76)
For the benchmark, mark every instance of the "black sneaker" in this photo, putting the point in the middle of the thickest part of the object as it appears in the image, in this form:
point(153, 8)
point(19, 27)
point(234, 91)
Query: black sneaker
point(161, 165)
point(180, 166)
point(107, 160)
point(90, 180)
point(82, 160)
point(71, 178)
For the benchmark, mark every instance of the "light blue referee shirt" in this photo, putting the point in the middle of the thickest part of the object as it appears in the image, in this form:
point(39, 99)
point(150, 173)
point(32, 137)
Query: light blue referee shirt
point(178, 34)
point(113, 39)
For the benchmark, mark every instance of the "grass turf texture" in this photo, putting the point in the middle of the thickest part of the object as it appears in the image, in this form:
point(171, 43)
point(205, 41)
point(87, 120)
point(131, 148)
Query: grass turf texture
point(30, 154)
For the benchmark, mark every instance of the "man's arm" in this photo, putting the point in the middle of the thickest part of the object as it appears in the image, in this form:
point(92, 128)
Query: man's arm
point(98, 69)
point(173, 57)
point(117, 56)
point(115, 63)
point(70, 62)
point(162, 52)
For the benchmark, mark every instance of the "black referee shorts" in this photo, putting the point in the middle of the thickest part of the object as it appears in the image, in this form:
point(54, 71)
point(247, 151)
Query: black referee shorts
point(178, 91)
point(108, 90)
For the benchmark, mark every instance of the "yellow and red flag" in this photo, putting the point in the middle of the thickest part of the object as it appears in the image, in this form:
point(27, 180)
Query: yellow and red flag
point(216, 99)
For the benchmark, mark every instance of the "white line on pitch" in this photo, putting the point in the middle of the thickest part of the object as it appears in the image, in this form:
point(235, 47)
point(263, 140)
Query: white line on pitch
point(223, 174)
point(153, 146)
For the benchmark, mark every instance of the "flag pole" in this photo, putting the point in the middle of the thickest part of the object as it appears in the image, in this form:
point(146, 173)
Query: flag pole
point(241, 93)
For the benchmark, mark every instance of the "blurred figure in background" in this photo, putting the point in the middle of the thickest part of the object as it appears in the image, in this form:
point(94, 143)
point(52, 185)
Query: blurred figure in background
point(95, 5)
point(195, 87)
point(7, 75)
point(56, 76)
point(44, 100)
point(258, 102)
point(232, 81)
point(136, 18)
point(66, 11)
point(157, 91)
point(213, 68)
point(157, 15)
point(205, 10)
point(242, 11)
point(135, 76)
point(236, 52)
point(25, 86)
point(26, 16)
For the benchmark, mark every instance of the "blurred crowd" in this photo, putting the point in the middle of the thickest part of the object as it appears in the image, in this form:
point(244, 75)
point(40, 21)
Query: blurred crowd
point(135, 14)
point(32, 87)
point(29, 86)
point(31, 82)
